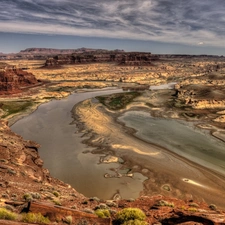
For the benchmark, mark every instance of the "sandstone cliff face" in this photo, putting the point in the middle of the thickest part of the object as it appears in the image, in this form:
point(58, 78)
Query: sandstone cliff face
point(12, 79)
point(128, 58)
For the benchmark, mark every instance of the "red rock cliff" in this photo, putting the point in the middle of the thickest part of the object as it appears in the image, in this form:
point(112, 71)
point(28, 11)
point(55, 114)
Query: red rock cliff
point(13, 79)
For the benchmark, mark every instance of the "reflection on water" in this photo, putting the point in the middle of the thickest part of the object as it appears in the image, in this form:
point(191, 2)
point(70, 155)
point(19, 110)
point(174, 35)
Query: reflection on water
point(180, 137)
point(62, 150)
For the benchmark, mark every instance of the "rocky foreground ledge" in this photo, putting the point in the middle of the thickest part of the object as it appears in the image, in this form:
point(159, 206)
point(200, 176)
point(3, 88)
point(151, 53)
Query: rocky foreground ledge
point(26, 186)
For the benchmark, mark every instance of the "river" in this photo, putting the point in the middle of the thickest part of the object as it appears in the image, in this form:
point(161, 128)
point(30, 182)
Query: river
point(65, 156)
point(180, 137)
point(71, 161)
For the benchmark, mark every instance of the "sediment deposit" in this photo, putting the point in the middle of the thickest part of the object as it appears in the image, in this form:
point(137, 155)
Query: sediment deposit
point(198, 96)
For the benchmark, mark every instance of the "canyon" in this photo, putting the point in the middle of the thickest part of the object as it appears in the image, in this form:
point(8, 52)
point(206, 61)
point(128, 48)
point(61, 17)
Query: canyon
point(198, 96)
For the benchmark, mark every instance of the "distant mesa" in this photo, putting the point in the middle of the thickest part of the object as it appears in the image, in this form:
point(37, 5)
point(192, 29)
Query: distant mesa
point(121, 58)
point(50, 51)
point(44, 53)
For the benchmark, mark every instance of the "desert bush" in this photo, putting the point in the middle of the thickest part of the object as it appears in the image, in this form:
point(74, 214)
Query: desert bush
point(34, 218)
point(192, 209)
point(68, 220)
point(135, 222)
point(9, 207)
point(56, 202)
point(213, 207)
point(56, 193)
point(128, 214)
point(101, 206)
point(27, 197)
point(6, 196)
point(111, 203)
point(194, 205)
point(165, 203)
point(87, 210)
point(94, 199)
point(35, 195)
point(102, 213)
point(7, 215)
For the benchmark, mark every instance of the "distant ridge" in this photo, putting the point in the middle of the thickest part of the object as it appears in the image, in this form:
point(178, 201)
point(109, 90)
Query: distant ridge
point(51, 51)
point(44, 53)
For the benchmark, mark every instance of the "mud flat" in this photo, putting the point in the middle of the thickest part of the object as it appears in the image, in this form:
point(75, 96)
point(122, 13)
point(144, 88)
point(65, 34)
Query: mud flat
point(71, 161)
point(168, 173)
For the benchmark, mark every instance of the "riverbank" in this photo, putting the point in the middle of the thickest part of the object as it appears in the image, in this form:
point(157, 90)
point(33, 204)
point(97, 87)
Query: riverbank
point(168, 174)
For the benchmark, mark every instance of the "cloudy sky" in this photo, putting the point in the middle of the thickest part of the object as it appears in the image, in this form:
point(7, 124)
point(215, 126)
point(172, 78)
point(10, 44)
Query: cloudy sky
point(158, 26)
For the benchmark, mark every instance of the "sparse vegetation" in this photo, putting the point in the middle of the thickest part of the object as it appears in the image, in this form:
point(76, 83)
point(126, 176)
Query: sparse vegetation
point(165, 203)
point(56, 202)
point(35, 195)
point(94, 199)
point(102, 206)
point(118, 101)
point(27, 197)
point(68, 220)
point(5, 214)
point(35, 218)
point(213, 207)
point(194, 205)
point(102, 213)
point(14, 107)
point(87, 210)
point(135, 222)
point(131, 216)
point(56, 193)
point(192, 209)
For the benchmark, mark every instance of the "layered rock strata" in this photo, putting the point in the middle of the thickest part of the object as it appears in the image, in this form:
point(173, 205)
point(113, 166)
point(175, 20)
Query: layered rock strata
point(13, 79)
point(128, 58)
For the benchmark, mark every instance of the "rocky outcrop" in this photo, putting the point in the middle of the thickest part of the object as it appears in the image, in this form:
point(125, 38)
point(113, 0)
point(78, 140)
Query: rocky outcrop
point(13, 79)
point(125, 58)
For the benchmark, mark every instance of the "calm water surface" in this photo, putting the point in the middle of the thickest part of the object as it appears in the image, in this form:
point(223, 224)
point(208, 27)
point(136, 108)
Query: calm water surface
point(62, 150)
point(180, 137)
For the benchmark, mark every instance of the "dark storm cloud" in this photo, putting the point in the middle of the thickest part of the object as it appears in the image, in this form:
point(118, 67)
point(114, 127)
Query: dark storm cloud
point(190, 22)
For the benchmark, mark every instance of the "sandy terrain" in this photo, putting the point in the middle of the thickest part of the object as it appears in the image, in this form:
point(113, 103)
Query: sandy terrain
point(168, 173)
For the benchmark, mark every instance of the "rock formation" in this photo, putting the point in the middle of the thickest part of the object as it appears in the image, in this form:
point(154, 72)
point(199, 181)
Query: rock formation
point(13, 79)
point(125, 58)
point(43, 53)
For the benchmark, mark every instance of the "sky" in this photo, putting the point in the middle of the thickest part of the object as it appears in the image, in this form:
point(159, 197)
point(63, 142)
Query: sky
point(157, 26)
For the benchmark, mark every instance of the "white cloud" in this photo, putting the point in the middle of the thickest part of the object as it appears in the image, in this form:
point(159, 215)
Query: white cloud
point(193, 22)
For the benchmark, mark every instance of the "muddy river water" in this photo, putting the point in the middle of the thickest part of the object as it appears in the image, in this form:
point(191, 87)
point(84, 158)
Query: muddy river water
point(64, 154)
point(68, 159)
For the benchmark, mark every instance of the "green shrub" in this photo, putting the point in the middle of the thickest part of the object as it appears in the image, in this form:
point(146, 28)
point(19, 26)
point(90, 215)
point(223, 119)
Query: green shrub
point(135, 222)
point(192, 209)
point(165, 203)
point(35, 218)
point(56, 193)
point(213, 207)
point(7, 215)
point(68, 220)
point(27, 197)
point(35, 195)
point(56, 202)
point(102, 213)
point(9, 207)
point(194, 205)
point(128, 214)
point(102, 206)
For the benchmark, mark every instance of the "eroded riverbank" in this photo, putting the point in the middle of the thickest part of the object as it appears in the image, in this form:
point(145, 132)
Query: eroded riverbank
point(168, 173)
point(67, 158)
